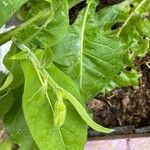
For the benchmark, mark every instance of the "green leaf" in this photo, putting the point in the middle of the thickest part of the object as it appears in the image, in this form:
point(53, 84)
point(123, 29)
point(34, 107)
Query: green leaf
point(94, 51)
point(38, 109)
point(44, 75)
point(8, 8)
point(16, 126)
point(88, 55)
point(127, 78)
point(28, 30)
point(137, 37)
point(80, 109)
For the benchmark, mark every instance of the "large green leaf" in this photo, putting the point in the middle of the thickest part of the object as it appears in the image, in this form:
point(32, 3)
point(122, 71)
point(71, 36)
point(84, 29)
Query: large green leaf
point(38, 109)
point(8, 8)
point(88, 55)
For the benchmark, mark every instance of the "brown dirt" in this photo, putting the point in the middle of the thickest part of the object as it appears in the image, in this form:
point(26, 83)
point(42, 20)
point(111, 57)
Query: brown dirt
point(125, 106)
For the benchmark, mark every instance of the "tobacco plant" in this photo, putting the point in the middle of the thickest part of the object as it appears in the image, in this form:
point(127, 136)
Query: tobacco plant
point(55, 67)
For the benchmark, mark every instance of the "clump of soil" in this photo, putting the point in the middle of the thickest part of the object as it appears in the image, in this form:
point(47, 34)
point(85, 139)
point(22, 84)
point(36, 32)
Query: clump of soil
point(125, 106)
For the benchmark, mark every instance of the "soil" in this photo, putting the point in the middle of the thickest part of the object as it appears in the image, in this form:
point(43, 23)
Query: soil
point(125, 106)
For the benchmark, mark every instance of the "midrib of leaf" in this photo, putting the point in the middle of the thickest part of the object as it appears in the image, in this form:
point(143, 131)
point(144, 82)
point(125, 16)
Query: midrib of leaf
point(130, 16)
point(82, 41)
